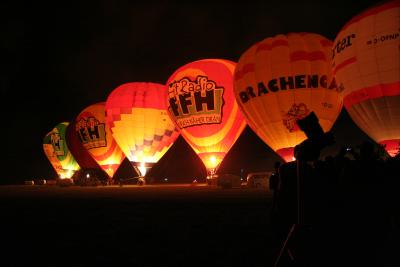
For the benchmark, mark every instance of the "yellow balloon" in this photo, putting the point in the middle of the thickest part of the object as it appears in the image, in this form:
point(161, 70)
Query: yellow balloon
point(137, 116)
point(282, 79)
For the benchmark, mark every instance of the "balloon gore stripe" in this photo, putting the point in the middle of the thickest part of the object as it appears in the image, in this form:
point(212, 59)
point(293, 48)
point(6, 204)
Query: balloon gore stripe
point(372, 92)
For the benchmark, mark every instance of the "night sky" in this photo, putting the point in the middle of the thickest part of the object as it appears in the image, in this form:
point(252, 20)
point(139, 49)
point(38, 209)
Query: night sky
point(58, 58)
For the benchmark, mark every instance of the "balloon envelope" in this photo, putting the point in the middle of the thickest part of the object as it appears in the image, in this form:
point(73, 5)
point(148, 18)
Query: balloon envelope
point(282, 79)
point(366, 62)
point(202, 104)
point(137, 116)
point(82, 157)
point(97, 138)
point(56, 150)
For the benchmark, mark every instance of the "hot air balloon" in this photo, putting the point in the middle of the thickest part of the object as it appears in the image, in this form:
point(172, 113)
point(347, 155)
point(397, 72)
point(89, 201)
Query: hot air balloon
point(56, 150)
point(137, 116)
point(88, 166)
point(366, 62)
point(202, 105)
point(97, 138)
point(281, 80)
point(75, 146)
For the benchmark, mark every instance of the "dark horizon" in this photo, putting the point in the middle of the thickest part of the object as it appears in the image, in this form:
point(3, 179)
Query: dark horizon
point(62, 58)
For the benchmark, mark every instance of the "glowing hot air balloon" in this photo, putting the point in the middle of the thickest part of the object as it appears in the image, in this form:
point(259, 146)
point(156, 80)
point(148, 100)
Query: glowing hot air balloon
point(366, 61)
point(75, 146)
point(97, 138)
point(56, 150)
point(202, 104)
point(137, 116)
point(282, 79)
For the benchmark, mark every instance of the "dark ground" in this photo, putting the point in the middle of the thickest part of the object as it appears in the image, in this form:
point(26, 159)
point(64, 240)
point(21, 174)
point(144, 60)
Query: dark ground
point(135, 226)
point(175, 225)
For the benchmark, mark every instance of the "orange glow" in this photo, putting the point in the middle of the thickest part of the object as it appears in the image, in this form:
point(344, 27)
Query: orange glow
point(143, 169)
point(111, 170)
point(391, 146)
point(97, 138)
point(138, 119)
point(287, 154)
point(281, 80)
point(202, 105)
point(211, 161)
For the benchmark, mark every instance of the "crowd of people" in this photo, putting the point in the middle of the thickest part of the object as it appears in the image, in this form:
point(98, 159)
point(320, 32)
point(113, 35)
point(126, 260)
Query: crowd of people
point(345, 209)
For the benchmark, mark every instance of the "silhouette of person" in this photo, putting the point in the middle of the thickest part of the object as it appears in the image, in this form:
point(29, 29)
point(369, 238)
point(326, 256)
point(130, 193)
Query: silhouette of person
point(273, 184)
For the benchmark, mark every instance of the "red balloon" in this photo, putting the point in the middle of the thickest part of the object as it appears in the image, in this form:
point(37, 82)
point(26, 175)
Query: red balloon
point(77, 150)
point(203, 106)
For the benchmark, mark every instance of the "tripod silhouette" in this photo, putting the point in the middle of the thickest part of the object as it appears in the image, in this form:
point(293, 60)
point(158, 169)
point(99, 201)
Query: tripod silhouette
point(296, 247)
point(300, 245)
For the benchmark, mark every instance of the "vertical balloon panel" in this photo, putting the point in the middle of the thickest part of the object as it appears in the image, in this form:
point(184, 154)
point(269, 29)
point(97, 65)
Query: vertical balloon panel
point(281, 80)
point(56, 150)
point(202, 105)
point(97, 138)
point(366, 62)
point(137, 116)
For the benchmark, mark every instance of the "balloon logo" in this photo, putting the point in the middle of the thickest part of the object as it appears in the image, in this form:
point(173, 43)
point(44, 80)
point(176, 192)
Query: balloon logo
point(281, 80)
point(97, 138)
point(202, 105)
point(366, 62)
point(137, 116)
point(56, 150)
point(81, 155)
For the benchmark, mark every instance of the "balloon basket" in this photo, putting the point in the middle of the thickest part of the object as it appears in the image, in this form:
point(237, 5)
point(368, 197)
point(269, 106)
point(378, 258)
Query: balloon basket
point(212, 177)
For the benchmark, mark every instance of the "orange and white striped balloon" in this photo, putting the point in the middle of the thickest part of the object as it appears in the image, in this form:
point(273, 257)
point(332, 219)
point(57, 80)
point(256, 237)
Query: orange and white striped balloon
point(366, 61)
point(282, 79)
point(202, 105)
